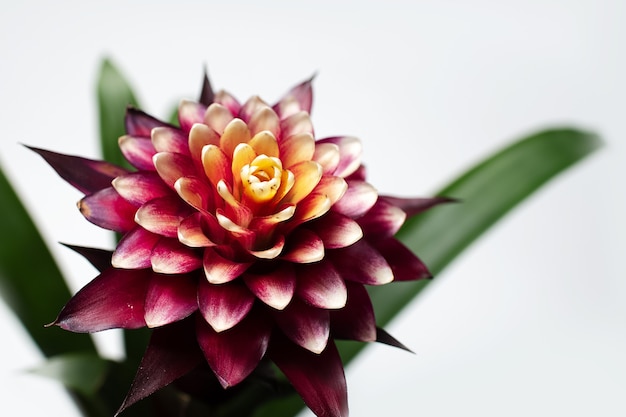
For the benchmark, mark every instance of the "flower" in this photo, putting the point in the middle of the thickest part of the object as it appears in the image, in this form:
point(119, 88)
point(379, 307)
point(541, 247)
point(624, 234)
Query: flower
point(243, 239)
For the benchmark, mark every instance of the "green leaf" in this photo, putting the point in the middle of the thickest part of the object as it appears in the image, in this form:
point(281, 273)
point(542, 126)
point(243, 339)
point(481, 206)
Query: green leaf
point(82, 372)
point(487, 192)
point(30, 281)
point(114, 96)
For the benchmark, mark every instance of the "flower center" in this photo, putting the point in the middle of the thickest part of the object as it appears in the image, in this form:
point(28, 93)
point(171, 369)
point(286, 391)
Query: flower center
point(261, 178)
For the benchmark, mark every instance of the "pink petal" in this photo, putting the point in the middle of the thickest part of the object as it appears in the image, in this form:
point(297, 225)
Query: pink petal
point(234, 353)
point(140, 187)
point(304, 247)
point(227, 100)
point(297, 148)
point(297, 123)
point(170, 299)
point(225, 305)
point(191, 233)
point(413, 206)
point(265, 119)
point(403, 262)
point(275, 288)
point(172, 166)
point(134, 250)
point(333, 187)
point(190, 113)
point(236, 132)
point(356, 320)
point(320, 285)
point(162, 215)
point(169, 256)
point(114, 299)
point(107, 209)
point(220, 270)
point(139, 123)
point(382, 220)
point(362, 263)
point(87, 175)
point(195, 192)
point(217, 117)
point(169, 139)
point(306, 326)
point(172, 352)
point(138, 151)
point(271, 252)
point(319, 379)
point(337, 230)
point(307, 175)
point(301, 93)
point(350, 150)
point(200, 136)
point(253, 105)
point(327, 155)
point(358, 199)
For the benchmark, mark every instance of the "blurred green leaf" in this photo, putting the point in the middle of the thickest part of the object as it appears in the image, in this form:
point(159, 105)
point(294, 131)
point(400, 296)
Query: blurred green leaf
point(82, 372)
point(30, 281)
point(114, 96)
point(487, 192)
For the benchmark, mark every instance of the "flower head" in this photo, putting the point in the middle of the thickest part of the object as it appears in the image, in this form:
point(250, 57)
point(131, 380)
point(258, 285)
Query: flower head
point(244, 239)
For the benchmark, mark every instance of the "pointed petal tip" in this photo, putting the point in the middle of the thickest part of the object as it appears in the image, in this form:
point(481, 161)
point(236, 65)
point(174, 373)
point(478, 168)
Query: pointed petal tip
point(383, 337)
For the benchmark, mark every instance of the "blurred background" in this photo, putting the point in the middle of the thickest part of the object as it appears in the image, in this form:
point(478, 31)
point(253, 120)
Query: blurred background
point(531, 320)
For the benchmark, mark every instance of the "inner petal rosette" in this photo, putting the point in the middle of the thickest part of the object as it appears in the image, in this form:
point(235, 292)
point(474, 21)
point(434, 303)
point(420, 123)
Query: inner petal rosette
point(243, 229)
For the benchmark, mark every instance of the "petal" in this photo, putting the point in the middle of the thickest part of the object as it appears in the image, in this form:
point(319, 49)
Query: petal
point(195, 192)
point(302, 94)
point(99, 258)
point(413, 206)
point(190, 113)
point(219, 270)
point(234, 353)
point(253, 105)
point(275, 288)
point(216, 165)
point(382, 220)
point(297, 148)
point(162, 215)
point(403, 262)
point(350, 150)
point(191, 233)
point(296, 123)
point(140, 187)
point(107, 209)
point(265, 119)
point(227, 100)
point(139, 123)
point(307, 175)
point(223, 306)
point(319, 379)
point(321, 285)
point(169, 256)
point(327, 155)
point(304, 247)
point(207, 96)
point(358, 199)
point(362, 263)
point(306, 326)
point(217, 117)
point(383, 337)
point(134, 250)
point(87, 175)
point(236, 132)
point(333, 187)
point(356, 320)
point(264, 143)
point(114, 299)
point(168, 139)
point(200, 136)
point(170, 299)
point(337, 230)
point(138, 151)
point(172, 166)
point(172, 352)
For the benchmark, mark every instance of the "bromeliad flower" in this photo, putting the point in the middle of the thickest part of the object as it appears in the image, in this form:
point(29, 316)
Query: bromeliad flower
point(244, 239)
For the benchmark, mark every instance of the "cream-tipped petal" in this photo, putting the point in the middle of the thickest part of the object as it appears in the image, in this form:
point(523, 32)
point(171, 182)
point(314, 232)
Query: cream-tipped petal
point(168, 139)
point(297, 123)
point(297, 148)
point(191, 233)
point(140, 187)
point(138, 151)
point(322, 286)
point(275, 288)
point(304, 247)
point(172, 166)
point(265, 119)
point(169, 256)
point(162, 215)
point(227, 100)
point(250, 107)
point(224, 306)
point(200, 136)
point(264, 143)
point(358, 199)
point(236, 132)
point(189, 113)
point(220, 270)
point(217, 117)
point(327, 155)
point(216, 164)
point(307, 175)
point(133, 251)
point(350, 150)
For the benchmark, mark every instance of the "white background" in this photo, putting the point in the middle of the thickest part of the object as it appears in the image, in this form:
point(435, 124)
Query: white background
point(530, 321)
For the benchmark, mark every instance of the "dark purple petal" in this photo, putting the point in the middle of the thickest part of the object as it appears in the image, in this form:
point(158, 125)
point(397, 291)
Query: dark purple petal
point(306, 326)
point(337, 230)
point(224, 306)
point(87, 175)
point(99, 258)
point(139, 123)
point(107, 209)
point(114, 299)
point(169, 256)
point(219, 270)
point(172, 352)
point(320, 285)
point(274, 288)
point(135, 249)
point(207, 96)
point(413, 206)
point(358, 199)
point(382, 220)
point(361, 263)
point(170, 298)
point(304, 247)
point(319, 379)
point(356, 320)
point(233, 354)
point(403, 262)
point(383, 337)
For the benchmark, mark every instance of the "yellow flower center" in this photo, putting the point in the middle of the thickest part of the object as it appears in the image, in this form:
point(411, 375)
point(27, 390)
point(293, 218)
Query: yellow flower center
point(262, 178)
